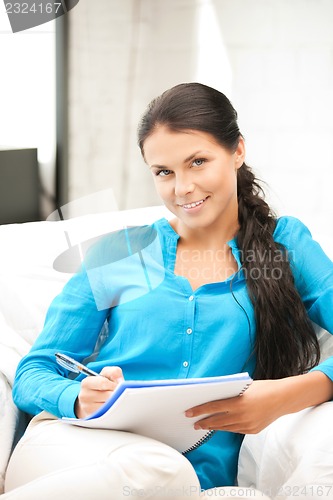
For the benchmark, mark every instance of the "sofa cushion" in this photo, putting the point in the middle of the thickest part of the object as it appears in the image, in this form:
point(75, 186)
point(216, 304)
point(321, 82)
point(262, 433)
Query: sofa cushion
point(29, 282)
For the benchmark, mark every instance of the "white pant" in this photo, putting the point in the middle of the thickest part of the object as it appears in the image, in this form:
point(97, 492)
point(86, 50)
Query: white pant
point(56, 461)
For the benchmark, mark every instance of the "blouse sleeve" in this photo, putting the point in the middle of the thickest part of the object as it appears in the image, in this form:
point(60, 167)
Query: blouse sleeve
point(72, 326)
point(313, 273)
point(76, 317)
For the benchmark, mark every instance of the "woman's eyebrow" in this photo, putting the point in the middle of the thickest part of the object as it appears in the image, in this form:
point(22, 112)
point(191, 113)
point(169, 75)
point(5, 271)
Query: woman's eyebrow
point(189, 158)
point(161, 167)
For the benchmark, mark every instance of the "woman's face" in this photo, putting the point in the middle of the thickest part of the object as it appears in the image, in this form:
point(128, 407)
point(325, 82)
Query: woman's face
point(195, 176)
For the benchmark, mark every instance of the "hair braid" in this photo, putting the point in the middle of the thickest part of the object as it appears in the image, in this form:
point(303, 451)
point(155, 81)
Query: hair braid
point(286, 343)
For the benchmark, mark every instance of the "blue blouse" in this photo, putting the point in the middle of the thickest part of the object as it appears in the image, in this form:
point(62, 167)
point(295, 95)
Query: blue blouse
point(158, 327)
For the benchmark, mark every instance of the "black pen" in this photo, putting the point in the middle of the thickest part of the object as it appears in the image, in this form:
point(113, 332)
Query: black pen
point(73, 365)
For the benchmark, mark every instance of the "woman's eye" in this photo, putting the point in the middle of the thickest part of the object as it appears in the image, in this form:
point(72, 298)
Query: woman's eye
point(163, 173)
point(198, 162)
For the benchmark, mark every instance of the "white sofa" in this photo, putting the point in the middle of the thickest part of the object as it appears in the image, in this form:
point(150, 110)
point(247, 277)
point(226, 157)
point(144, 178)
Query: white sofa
point(291, 458)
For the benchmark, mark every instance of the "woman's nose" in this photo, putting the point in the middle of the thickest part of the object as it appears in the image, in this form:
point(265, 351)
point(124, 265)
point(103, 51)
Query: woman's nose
point(183, 186)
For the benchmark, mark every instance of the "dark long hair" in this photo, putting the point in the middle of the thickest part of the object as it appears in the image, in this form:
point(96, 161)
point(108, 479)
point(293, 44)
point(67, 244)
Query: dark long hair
point(286, 343)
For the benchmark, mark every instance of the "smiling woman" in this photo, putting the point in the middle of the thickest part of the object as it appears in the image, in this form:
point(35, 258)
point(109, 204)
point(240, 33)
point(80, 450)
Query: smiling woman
point(189, 117)
point(196, 178)
point(238, 292)
point(195, 175)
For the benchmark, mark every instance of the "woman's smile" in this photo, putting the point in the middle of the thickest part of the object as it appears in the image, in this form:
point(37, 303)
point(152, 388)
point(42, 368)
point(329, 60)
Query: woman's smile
point(195, 176)
point(191, 206)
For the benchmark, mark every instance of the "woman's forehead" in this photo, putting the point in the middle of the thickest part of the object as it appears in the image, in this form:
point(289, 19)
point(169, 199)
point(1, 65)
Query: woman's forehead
point(164, 144)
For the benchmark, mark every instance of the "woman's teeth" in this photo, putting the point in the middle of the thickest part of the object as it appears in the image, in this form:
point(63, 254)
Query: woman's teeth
point(194, 204)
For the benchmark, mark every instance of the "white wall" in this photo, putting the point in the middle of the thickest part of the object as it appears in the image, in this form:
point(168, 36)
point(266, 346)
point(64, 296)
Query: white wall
point(122, 54)
point(281, 55)
point(274, 59)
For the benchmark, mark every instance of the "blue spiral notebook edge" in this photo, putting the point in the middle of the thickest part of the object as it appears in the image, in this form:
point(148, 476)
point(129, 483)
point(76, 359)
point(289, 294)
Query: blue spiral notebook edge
point(131, 384)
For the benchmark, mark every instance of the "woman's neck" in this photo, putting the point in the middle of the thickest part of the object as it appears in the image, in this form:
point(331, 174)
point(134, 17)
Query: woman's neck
point(205, 238)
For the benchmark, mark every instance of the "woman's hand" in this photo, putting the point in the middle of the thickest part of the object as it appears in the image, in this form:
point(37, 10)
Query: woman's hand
point(263, 402)
point(246, 414)
point(96, 390)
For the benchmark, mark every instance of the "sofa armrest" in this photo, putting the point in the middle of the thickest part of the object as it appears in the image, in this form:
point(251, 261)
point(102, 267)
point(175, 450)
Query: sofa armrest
point(293, 456)
point(9, 418)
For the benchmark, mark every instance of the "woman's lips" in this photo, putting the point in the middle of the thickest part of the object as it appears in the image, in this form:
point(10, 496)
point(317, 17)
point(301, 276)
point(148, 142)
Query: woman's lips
point(193, 205)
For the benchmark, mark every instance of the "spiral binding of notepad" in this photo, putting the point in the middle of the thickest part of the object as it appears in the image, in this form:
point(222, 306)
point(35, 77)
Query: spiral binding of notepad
point(201, 441)
point(246, 387)
point(209, 434)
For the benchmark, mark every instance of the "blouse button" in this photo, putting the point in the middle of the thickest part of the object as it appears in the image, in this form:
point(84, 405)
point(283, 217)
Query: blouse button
point(189, 331)
point(185, 364)
point(190, 298)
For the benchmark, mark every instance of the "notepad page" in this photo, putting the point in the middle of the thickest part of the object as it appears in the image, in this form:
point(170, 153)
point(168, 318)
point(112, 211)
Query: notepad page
point(158, 412)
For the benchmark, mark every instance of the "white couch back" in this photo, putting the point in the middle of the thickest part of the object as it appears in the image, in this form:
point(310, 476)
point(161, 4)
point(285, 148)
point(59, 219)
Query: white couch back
point(28, 280)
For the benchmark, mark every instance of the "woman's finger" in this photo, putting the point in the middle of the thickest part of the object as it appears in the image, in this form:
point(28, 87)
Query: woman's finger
point(113, 373)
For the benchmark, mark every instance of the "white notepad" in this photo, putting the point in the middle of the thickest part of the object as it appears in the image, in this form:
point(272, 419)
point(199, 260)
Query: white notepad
point(155, 408)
